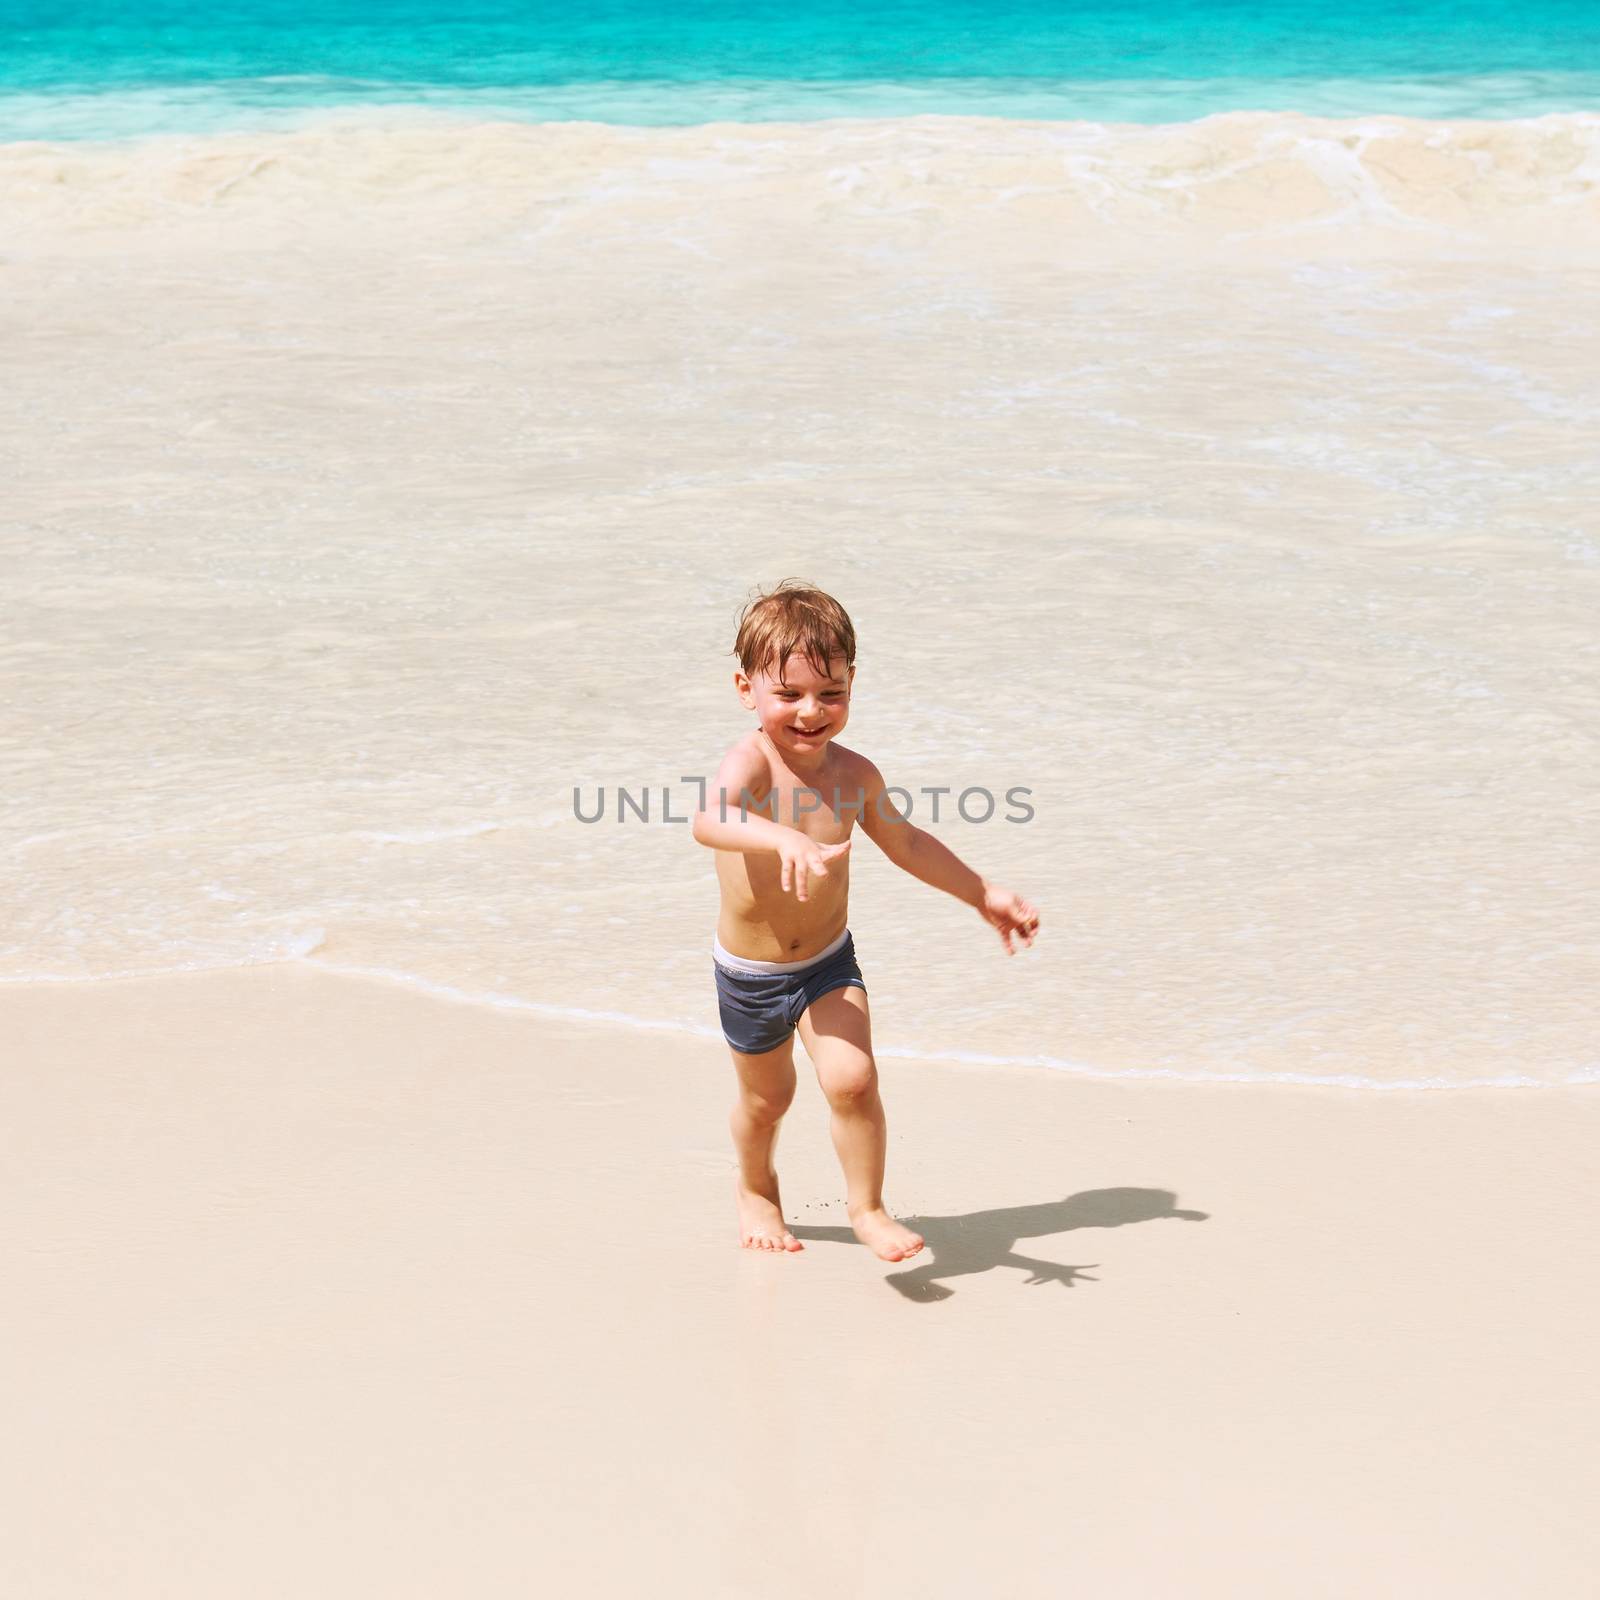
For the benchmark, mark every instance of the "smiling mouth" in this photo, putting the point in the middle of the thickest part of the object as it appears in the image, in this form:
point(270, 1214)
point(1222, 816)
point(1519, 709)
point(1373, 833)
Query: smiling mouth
point(807, 733)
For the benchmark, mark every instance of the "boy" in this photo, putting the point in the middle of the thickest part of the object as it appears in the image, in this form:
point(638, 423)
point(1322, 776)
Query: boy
point(779, 816)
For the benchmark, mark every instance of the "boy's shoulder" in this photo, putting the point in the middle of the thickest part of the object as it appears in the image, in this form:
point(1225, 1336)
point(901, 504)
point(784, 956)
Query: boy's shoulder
point(747, 762)
point(853, 767)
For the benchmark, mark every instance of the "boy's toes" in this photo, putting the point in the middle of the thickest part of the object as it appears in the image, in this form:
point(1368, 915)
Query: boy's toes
point(767, 1241)
point(761, 1225)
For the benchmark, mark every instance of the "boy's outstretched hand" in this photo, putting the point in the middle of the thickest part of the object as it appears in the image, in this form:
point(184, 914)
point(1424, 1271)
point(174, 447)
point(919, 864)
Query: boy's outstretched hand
point(1010, 914)
point(803, 859)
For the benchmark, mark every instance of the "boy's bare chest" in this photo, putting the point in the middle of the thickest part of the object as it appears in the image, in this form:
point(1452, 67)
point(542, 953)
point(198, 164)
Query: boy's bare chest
point(824, 807)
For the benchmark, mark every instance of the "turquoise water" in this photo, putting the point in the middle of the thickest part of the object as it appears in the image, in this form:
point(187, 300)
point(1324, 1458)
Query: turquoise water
point(114, 71)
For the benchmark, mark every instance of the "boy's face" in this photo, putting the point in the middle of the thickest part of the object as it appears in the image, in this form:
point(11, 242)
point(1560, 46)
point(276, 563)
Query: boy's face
point(801, 709)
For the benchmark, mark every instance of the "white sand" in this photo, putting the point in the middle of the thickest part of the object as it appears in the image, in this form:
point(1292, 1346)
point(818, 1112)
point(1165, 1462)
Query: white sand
point(325, 1288)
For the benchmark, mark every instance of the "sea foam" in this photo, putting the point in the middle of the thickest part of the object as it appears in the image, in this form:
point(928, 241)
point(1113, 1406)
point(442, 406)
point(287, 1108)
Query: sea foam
point(1266, 183)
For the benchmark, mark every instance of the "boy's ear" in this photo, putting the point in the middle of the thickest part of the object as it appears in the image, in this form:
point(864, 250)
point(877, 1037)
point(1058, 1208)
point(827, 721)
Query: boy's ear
point(741, 684)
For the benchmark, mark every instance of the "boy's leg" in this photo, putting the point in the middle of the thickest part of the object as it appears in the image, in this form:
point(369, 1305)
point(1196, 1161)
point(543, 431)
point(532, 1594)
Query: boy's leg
point(766, 1088)
point(837, 1030)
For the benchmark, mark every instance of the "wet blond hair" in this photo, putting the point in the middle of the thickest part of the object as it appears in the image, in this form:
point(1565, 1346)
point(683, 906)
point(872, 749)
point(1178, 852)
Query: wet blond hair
point(794, 616)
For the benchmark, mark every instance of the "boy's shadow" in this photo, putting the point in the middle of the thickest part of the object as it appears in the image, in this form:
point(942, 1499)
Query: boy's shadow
point(957, 1246)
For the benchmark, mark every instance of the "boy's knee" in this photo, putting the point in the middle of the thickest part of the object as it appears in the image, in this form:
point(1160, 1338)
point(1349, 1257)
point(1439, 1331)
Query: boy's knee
point(765, 1107)
point(852, 1085)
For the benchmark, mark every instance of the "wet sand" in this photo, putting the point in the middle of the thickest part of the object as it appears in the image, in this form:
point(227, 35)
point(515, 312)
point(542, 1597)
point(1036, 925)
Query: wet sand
point(324, 1287)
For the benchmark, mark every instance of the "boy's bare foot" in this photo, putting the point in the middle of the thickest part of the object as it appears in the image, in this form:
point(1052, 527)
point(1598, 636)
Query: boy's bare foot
point(887, 1239)
point(761, 1222)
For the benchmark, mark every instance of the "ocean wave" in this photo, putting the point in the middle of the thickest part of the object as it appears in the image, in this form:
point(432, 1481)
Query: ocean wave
point(1277, 182)
point(254, 103)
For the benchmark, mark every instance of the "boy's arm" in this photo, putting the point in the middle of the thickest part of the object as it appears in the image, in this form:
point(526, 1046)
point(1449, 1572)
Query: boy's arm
point(719, 822)
point(722, 824)
point(934, 863)
point(916, 852)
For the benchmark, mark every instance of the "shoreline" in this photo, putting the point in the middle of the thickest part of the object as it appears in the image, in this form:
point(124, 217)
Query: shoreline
point(685, 1032)
point(1465, 98)
point(1296, 185)
point(452, 1291)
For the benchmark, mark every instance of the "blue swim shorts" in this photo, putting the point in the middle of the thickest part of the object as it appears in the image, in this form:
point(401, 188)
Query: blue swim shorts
point(761, 1001)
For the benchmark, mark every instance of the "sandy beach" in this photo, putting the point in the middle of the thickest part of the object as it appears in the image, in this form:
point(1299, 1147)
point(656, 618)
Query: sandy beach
point(380, 494)
point(325, 1287)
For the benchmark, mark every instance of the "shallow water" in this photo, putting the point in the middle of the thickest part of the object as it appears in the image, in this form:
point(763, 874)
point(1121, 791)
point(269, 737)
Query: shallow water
point(1229, 486)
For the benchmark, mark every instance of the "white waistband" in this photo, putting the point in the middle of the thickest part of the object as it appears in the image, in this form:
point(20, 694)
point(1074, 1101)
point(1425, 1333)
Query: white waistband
point(758, 969)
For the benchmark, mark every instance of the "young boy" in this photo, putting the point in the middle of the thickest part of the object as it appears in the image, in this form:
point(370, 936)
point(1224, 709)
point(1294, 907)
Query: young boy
point(779, 815)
